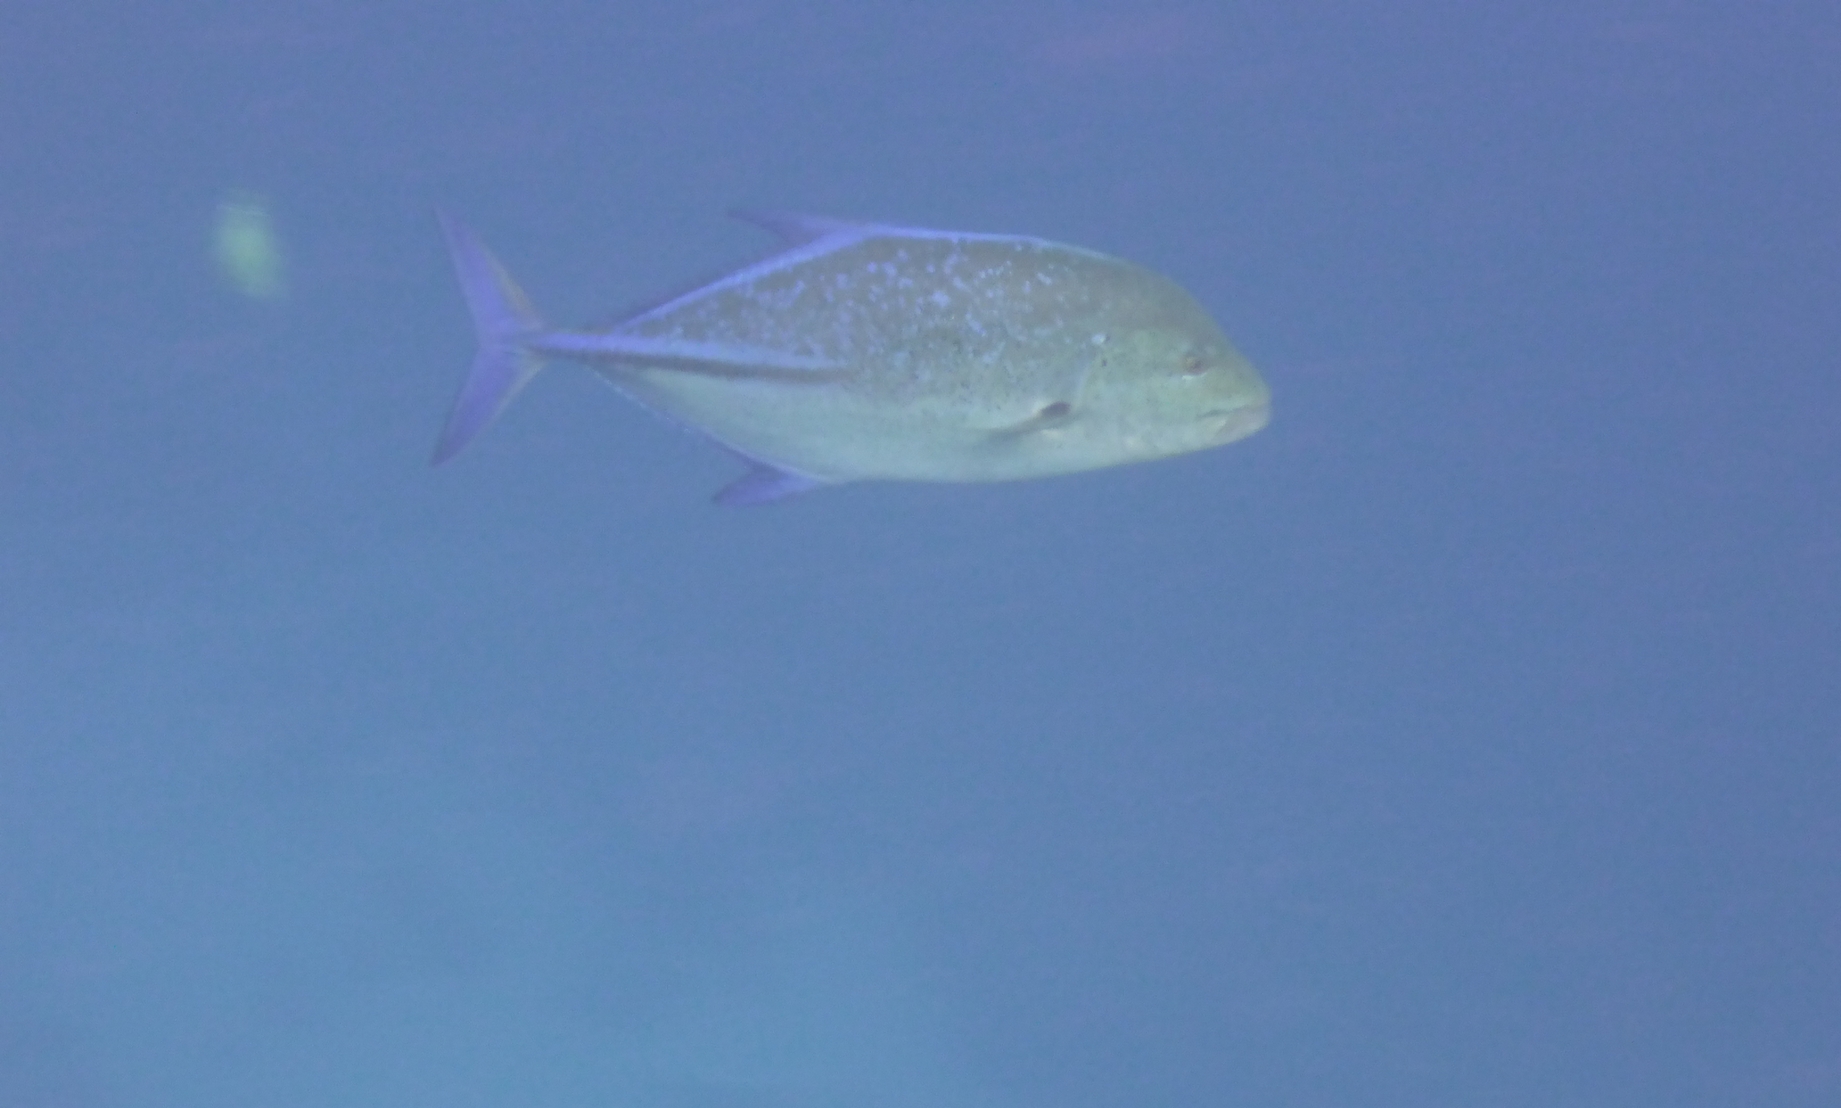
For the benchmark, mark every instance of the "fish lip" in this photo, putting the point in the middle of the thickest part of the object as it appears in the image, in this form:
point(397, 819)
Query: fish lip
point(1239, 422)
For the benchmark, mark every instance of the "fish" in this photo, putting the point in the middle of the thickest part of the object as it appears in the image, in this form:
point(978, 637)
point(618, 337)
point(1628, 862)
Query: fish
point(865, 352)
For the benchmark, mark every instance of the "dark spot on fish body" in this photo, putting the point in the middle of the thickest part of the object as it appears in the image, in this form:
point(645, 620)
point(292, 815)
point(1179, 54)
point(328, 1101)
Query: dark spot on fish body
point(1057, 410)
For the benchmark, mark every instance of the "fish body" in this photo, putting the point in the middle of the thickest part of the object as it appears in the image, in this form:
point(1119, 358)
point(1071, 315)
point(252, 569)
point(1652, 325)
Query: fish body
point(867, 352)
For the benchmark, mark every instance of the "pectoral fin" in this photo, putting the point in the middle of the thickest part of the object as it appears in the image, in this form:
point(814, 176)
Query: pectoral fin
point(1055, 413)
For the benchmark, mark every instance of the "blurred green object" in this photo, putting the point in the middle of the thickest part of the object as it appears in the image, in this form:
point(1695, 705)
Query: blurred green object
point(248, 252)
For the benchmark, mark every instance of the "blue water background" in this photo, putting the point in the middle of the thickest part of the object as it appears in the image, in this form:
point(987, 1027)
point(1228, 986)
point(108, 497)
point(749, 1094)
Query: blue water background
point(1471, 736)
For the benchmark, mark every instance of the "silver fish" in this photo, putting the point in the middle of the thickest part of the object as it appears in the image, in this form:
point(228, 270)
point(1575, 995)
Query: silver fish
point(865, 352)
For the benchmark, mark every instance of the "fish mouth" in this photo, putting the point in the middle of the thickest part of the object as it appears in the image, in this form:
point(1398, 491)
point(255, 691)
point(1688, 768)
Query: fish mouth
point(1237, 423)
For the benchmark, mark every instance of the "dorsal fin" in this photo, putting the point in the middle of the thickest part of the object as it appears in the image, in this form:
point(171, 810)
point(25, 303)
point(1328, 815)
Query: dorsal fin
point(793, 228)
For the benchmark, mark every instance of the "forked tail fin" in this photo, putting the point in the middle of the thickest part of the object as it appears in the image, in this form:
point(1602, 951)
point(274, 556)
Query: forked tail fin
point(504, 321)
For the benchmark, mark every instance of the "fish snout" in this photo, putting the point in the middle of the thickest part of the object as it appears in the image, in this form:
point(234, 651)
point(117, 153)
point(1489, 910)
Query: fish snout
point(1238, 423)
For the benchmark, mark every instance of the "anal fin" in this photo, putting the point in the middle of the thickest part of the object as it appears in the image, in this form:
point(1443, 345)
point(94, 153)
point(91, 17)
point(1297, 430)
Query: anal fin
point(764, 484)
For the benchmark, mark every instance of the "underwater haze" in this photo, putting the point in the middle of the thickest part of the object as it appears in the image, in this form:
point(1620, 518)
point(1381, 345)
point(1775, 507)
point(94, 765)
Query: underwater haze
point(1471, 735)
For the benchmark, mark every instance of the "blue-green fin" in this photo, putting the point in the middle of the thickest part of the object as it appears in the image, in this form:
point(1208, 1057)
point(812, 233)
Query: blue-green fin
point(504, 321)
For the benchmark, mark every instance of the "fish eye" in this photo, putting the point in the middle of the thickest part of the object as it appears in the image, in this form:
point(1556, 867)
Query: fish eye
point(1193, 366)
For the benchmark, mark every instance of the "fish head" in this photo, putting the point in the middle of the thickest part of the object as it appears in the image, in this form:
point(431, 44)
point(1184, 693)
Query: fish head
point(1165, 380)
